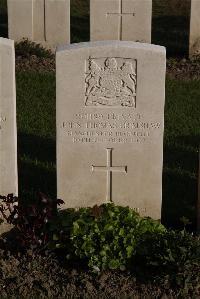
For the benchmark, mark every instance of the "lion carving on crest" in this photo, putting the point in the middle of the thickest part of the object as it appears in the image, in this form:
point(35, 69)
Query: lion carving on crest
point(113, 84)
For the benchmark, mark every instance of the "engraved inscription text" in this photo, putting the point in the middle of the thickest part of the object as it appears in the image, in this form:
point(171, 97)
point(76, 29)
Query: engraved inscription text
point(110, 127)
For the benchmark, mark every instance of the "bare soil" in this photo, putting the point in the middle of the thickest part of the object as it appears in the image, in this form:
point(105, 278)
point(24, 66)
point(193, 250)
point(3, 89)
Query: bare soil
point(182, 69)
point(37, 276)
point(34, 63)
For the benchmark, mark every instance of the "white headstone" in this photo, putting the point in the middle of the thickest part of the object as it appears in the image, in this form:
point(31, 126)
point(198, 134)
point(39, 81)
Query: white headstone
point(8, 132)
point(194, 47)
point(110, 119)
point(44, 21)
point(128, 20)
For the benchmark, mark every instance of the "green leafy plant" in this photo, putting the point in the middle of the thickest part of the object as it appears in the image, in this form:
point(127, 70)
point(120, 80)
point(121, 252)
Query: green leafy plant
point(106, 236)
point(170, 250)
point(32, 220)
point(172, 256)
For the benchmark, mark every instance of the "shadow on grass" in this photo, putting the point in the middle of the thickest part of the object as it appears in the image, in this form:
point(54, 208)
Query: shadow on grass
point(173, 33)
point(34, 178)
point(180, 181)
point(3, 25)
point(37, 148)
point(36, 166)
point(37, 173)
point(80, 29)
point(80, 21)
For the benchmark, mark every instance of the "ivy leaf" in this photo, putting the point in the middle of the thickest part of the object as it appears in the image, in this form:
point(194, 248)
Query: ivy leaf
point(114, 264)
point(55, 237)
point(129, 251)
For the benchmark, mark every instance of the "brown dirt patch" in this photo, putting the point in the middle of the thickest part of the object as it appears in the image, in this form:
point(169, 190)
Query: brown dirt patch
point(34, 63)
point(36, 276)
point(182, 69)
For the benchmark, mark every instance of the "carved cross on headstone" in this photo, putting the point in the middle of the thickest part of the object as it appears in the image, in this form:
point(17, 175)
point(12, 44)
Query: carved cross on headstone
point(120, 14)
point(109, 169)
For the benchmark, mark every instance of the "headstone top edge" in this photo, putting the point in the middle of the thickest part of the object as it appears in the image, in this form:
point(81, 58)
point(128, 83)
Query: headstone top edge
point(6, 41)
point(114, 43)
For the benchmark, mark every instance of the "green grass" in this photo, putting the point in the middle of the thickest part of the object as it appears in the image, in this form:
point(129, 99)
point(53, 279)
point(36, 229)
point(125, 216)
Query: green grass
point(37, 142)
point(182, 138)
point(36, 133)
point(3, 6)
point(3, 19)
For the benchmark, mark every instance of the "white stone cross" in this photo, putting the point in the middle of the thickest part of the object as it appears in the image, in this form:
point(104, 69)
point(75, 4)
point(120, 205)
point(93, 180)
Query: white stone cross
point(121, 15)
point(109, 169)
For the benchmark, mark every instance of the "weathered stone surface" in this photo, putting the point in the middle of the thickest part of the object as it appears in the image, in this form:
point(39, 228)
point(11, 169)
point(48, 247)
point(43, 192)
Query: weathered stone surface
point(8, 134)
point(121, 20)
point(194, 48)
point(38, 24)
point(110, 118)
point(47, 22)
point(20, 19)
point(58, 31)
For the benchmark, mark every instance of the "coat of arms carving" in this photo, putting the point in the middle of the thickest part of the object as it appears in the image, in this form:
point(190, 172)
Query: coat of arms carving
point(111, 82)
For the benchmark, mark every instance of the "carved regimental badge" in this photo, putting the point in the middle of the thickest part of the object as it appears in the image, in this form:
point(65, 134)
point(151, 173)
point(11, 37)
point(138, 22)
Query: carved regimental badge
point(111, 82)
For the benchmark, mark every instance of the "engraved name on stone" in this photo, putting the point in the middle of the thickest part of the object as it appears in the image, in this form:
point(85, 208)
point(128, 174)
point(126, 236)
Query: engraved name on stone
point(110, 82)
point(96, 128)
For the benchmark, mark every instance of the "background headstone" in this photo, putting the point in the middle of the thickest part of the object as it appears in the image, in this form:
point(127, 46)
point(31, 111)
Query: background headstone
point(128, 20)
point(44, 21)
point(110, 118)
point(8, 132)
point(194, 48)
